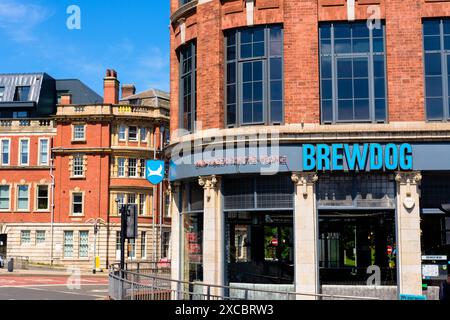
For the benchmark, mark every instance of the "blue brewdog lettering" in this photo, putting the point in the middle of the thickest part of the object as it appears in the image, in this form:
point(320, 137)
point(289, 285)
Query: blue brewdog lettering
point(362, 157)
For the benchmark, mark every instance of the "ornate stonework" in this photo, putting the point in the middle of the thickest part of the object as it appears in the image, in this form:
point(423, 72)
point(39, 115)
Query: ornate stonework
point(208, 183)
point(412, 177)
point(304, 178)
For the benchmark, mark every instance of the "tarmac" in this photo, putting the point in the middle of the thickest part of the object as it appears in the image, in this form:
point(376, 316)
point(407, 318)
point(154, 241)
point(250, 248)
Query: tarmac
point(54, 272)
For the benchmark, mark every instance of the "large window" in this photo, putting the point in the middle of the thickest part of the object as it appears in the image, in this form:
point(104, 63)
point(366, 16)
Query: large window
point(83, 250)
point(22, 94)
point(132, 167)
point(436, 37)
point(4, 198)
point(254, 76)
point(353, 77)
point(188, 87)
point(68, 244)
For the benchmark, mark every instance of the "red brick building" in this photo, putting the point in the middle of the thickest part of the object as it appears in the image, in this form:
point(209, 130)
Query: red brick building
point(69, 160)
point(320, 78)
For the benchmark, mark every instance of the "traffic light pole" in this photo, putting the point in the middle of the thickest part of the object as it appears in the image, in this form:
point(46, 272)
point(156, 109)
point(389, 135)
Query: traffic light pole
point(123, 219)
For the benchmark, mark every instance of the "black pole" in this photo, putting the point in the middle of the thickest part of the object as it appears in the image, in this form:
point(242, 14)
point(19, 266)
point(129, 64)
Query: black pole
point(123, 220)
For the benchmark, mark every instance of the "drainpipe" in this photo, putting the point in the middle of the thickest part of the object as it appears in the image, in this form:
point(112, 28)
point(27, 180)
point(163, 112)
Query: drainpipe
point(154, 207)
point(161, 133)
point(52, 207)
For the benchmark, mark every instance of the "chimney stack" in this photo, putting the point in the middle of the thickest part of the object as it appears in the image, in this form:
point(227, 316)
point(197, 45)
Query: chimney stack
point(65, 99)
point(111, 87)
point(128, 90)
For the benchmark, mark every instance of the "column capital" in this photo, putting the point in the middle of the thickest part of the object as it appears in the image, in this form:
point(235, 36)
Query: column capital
point(304, 178)
point(209, 183)
point(173, 186)
point(408, 177)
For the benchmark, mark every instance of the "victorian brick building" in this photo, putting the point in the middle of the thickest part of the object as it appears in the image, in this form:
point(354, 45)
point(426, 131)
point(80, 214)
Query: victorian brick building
point(327, 83)
point(71, 157)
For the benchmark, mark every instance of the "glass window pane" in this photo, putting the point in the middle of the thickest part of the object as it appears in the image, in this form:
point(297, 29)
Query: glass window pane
point(345, 110)
point(378, 66)
point(247, 112)
point(380, 86)
point(360, 68)
point(380, 109)
point(258, 34)
point(258, 91)
point(362, 110)
point(327, 110)
point(276, 48)
point(275, 69)
point(258, 49)
point(433, 64)
point(231, 94)
point(246, 36)
point(246, 51)
point(325, 31)
point(345, 89)
point(231, 53)
point(231, 114)
point(344, 68)
point(435, 110)
point(360, 30)
point(378, 45)
point(343, 46)
point(257, 112)
point(431, 27)
point(276, 90)
point(247, 93)
point(432, 43)
point(327, 89)
point(361, 88)
point(276, 34)
point(257, 71)
point(325, 46)
point(326, 67)
point(247, 72)
point(342, 30)
point(276, 111)
point(433, 86)
point(361, 45)
point(447, 43)
point(231, 73)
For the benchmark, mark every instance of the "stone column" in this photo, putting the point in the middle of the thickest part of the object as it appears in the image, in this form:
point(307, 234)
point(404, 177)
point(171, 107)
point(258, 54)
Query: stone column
point(305, 235)
point(176, 237)
point(409, 270)
point(213, 234)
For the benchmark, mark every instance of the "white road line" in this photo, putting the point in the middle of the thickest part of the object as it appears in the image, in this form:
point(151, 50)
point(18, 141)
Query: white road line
point(52, 285)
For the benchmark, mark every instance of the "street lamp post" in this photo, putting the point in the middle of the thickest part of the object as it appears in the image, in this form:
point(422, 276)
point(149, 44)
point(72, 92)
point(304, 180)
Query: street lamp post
point(97, 223)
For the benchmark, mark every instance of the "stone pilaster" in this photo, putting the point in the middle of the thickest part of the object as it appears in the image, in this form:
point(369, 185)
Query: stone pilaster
point(305, 235)
point(213, 231)
point(177, 237)
point(409, 270)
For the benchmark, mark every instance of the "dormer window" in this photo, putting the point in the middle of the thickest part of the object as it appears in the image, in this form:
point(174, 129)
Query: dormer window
point(22, 94)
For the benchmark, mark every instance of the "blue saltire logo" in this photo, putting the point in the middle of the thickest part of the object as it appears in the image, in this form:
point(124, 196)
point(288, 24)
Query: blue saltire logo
point(155, 171)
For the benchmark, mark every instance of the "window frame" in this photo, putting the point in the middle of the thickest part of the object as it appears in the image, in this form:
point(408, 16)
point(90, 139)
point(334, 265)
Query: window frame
point(20, 154)
point(9, 198)
point(2, 141)
point(73, 203)
point(266, 77)
point(371, 75)
point(40, 240)
point(16, 93)
point(144, 245)
point(445, 74)
point(137, 134)
point(143, 139)
point(27, 209)
point(75, 132)
point(68, 245)
point(135, 168)
point(121, 168)
point(22, 233)
point(40, 152)
point(122, 130)
point(192, 46)
point(38, 198)
point(76, 166)
point(83, 245)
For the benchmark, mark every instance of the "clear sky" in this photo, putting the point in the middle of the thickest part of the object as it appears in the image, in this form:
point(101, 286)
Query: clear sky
point(130, 36)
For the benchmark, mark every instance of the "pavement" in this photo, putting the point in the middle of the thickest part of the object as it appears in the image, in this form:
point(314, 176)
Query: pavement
point(44, 284)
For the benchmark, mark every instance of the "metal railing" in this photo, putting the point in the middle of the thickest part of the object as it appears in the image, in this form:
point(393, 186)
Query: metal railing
point(153, 283)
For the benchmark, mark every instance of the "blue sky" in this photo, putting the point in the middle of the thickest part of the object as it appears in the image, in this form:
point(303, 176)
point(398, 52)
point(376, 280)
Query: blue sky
point(130, 36)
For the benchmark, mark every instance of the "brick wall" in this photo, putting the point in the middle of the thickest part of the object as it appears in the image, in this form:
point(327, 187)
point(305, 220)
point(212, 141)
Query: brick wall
point(404, 53)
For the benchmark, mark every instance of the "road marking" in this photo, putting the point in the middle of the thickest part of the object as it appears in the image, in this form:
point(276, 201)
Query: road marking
point(67, 292)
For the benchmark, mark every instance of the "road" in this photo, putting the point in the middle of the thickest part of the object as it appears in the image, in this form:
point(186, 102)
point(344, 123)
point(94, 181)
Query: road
point(53, 288)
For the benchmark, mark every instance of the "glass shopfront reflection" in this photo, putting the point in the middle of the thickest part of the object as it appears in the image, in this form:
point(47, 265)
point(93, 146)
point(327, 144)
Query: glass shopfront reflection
point(259, 247)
